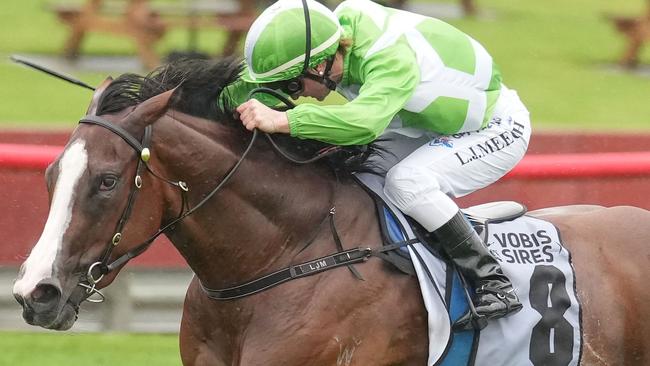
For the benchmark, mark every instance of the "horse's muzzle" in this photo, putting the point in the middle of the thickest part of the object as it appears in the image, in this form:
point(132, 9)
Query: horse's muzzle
point(43, 307)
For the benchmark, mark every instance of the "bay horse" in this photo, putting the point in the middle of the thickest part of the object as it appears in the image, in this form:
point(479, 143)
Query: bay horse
point(268, 214)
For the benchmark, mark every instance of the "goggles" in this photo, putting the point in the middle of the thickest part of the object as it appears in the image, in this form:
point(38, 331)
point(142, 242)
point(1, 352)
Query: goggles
point(296, 85)
point(289, 87)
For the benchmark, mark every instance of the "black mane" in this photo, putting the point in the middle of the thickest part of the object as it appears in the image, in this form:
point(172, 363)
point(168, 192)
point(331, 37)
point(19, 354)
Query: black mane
point(201, 83)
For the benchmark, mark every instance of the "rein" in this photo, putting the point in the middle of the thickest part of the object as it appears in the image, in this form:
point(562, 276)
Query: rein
point(98, 269)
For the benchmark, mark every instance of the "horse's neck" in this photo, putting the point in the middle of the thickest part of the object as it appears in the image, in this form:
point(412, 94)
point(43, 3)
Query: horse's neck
point(259, 221)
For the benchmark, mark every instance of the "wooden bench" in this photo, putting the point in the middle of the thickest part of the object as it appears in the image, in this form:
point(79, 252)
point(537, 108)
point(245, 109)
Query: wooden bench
point(637, 32)
point(146, 24)
point(468, 6)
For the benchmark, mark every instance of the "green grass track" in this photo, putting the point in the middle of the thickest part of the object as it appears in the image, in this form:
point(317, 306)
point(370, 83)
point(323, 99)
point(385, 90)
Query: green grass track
point(83, 349)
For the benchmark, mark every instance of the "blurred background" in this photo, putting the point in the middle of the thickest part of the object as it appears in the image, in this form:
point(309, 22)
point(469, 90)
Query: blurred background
point(562, 57)
point(582, 67)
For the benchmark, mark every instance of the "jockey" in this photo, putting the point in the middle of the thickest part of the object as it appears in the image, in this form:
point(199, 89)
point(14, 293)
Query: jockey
point(407, 77)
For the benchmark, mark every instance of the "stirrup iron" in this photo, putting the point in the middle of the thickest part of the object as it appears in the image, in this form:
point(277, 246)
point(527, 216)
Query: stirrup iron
point(471, 320)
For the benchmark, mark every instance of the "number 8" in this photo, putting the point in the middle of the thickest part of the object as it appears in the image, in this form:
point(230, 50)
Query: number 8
point(551, 341)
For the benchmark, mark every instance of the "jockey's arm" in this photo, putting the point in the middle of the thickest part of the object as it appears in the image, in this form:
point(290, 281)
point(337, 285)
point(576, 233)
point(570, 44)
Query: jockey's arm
point(388, 79)
point(267, 119)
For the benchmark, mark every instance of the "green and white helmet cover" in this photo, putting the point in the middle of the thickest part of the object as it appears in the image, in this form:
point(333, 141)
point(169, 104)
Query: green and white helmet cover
point(275, 44)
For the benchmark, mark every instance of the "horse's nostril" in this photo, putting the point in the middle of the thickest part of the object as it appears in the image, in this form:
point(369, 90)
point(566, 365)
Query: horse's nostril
point(20, 299)
point(45, 294)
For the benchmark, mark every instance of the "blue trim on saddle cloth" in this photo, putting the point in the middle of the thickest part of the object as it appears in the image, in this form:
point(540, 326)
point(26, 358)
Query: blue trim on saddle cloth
point(463, 343)
point(394, 231)
point(462, 347)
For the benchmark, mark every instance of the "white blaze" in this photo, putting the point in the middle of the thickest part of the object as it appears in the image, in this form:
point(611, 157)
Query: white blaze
point(40, 263)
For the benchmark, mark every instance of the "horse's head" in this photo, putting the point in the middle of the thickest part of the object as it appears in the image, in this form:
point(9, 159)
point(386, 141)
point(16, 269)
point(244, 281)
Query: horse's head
point(91, 187)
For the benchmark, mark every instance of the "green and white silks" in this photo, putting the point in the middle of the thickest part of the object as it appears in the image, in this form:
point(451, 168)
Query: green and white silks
point(422, 70)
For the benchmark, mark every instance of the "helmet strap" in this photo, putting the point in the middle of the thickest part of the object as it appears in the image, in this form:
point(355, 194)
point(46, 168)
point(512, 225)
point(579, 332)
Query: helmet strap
point(325, 78)
point(329, 83)
point(305, 10)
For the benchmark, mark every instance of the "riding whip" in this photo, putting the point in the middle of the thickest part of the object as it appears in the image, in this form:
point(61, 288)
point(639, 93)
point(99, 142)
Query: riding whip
point(31, 64)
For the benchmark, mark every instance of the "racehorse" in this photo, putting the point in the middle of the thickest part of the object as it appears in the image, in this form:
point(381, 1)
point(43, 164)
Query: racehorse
point(114, 188)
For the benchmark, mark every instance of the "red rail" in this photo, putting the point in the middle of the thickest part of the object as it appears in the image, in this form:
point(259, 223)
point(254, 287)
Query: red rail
point(546, 166)
point(27, 156)
point(583, 165)
point(528, 182)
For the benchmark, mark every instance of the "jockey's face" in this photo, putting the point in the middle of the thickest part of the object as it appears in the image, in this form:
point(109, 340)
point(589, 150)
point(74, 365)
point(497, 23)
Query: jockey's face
point(312, 88)
point(301, 87)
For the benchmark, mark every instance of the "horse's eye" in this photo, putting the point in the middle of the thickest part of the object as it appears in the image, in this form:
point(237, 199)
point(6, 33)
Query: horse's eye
point(108, 183)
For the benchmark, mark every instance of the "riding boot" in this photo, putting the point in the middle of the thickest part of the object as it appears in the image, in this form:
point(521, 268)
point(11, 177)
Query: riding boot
point(495, 295)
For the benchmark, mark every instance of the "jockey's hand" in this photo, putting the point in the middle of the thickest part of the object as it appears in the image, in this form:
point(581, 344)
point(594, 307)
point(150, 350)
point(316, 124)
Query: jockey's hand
point(253, 114)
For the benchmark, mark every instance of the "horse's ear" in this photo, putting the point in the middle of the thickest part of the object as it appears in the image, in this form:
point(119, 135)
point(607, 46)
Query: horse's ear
point(149, 111)
point(94, 102)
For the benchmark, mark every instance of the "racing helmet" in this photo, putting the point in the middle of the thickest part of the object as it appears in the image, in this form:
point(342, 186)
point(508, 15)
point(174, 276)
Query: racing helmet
point(276, 44)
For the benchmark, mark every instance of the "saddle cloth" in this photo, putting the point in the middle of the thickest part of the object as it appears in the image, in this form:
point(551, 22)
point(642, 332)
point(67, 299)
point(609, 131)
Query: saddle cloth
point(547, 331)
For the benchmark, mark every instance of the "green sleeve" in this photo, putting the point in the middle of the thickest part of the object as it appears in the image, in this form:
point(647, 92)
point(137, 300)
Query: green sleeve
point(389, 78)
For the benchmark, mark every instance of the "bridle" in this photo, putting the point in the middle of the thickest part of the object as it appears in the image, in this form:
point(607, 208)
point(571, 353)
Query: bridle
point(103, 266)
point(97, 270)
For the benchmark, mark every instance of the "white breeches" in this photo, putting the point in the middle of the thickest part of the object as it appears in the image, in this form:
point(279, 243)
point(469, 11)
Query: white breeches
point(422, 182)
